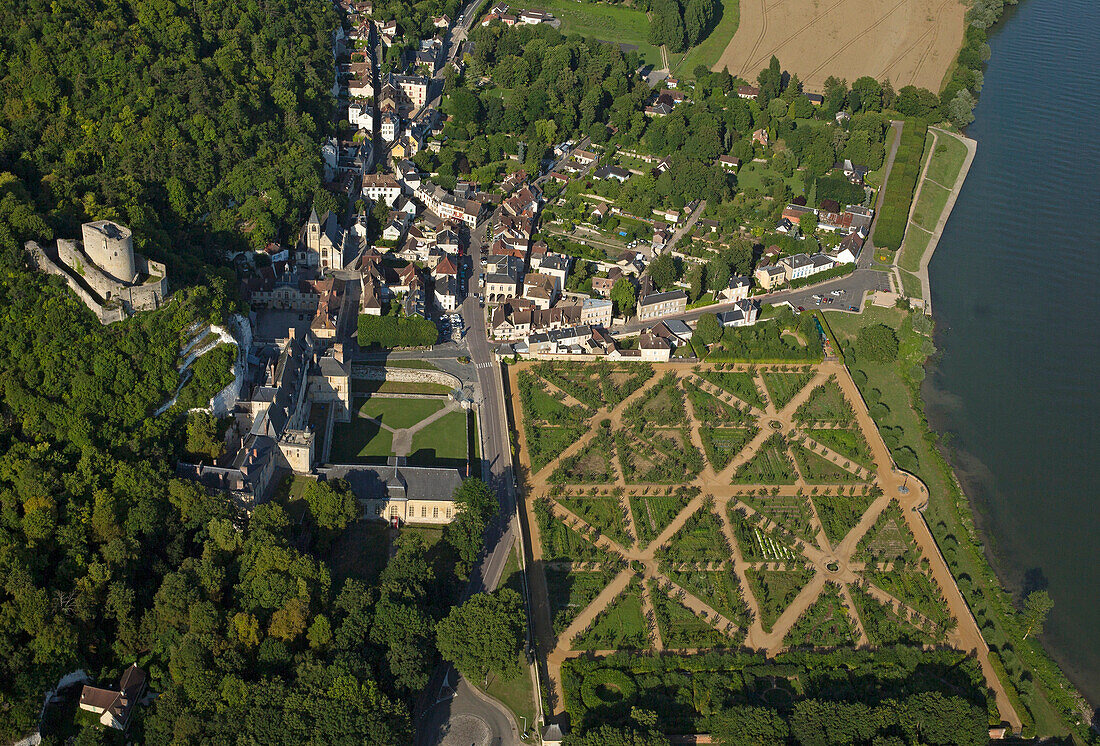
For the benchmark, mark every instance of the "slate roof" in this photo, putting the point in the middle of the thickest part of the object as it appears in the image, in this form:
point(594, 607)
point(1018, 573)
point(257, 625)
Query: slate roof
point(397, 482)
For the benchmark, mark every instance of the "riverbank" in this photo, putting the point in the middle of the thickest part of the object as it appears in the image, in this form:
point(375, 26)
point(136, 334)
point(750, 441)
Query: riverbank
point(1047, 703)
point(932, 204)
point(1015, 397)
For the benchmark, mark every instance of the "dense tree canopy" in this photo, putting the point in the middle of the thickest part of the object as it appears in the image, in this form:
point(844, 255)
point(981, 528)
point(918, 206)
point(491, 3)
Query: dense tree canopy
point(198, 125)
point(483, 635)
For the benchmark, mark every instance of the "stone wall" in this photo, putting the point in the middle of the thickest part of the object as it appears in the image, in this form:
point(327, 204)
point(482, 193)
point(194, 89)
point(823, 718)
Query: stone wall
point(404, 375)
point(43, 262)
point(223, 401)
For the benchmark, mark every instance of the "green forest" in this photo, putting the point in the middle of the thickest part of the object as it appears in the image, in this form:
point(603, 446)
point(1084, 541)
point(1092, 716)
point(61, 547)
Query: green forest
point(106, 559)
point(198, 125)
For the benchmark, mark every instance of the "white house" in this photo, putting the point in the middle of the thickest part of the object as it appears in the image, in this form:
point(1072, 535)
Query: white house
point(361, 115)
point(381, 187)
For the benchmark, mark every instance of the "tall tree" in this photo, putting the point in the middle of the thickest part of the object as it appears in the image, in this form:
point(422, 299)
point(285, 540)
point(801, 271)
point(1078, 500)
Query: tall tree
point(624, 295)
point(1037, 606)
point(483, 635)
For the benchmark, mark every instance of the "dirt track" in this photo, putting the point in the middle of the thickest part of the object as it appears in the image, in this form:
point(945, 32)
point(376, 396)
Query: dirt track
point(911, 42)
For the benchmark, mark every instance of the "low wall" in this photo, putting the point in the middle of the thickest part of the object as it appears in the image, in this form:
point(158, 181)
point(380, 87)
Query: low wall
point(404, 375)
point(40, 260)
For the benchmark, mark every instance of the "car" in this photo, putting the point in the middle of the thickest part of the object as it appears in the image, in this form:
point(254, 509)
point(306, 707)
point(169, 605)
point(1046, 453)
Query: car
point(801, 308)
point(853, 308)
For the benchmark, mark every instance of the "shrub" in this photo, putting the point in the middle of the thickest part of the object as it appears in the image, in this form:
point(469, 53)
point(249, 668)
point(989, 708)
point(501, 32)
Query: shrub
point(396, 331)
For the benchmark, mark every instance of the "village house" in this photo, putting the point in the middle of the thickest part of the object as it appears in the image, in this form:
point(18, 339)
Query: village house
point(656, 305)
point(747, 91)
point(115, 706)
point(770, 276)
point(743, 313)
point(596, 312)
point(618, 173)
point(728, 163)
point(738, 290)
point(384, 187)
point(584, 157)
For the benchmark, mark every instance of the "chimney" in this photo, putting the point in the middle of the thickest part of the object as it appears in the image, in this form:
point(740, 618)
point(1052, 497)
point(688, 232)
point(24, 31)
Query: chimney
point(338, 352)
point(291, 333)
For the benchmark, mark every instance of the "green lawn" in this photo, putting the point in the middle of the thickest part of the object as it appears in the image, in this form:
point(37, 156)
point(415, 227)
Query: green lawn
point(946, 160)
point(916, 241)
point(361, 386)
point(752, 174)
point(444, 441)
point(910, 283)
point(709, 50)
point(614, 23)
point(930, 205)
point(400, 413)
point(360, 441)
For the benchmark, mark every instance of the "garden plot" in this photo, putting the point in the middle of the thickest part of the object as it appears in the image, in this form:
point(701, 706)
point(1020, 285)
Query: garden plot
point(775, 590)
point(756, 544)
point(826, 405)
point(653, 513)
point(723, 444)
point(791, 512)
point(783, 386)
point(714, 412)
point(770, 465)
point(680, 628)
point(621, 626)
point(739, 383)
point(720, 589)
point(849, 443)
point(824, 624)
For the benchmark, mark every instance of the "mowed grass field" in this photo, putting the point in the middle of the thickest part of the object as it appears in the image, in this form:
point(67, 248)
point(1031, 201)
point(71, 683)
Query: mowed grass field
point(611, 23)
point(945, 160)
point(442, 442)
point(711, 48)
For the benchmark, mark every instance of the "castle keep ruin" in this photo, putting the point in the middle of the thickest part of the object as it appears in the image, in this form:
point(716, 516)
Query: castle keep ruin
point(103, 270)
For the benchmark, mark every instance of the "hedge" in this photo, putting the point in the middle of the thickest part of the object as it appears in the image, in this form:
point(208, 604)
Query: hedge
point(894, 215)
point(396, 331)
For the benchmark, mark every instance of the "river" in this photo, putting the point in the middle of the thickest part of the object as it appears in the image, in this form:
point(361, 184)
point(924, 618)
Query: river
point(1017, 305)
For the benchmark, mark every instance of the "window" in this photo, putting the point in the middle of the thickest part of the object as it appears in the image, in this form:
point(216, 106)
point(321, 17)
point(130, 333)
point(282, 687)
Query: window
point(448, 512)
point(378, 510)
point(435, 512)
point(423, 511)
point(393, 511)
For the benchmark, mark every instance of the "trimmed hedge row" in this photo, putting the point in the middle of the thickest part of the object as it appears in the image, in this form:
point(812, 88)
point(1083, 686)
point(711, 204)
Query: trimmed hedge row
point(396, 331)
point(892, 219)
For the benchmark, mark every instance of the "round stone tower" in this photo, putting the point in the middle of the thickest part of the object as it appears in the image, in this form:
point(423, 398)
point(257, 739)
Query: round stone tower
point(111, 247)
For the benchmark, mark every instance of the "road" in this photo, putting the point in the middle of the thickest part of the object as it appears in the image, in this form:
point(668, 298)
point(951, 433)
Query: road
point(500, 536)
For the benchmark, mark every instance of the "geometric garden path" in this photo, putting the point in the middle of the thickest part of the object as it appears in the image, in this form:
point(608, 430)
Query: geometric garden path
point(829, 563)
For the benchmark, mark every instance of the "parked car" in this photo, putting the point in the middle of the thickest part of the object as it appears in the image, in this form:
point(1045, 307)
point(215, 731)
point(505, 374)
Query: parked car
point(801, 308)
point(853, 308)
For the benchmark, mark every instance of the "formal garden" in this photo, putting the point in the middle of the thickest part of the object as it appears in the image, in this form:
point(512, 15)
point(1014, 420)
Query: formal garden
point(415, 427)
point(709, 507)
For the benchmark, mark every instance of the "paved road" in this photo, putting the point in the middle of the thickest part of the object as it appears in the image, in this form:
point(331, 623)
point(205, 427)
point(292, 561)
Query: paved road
point(500, 536)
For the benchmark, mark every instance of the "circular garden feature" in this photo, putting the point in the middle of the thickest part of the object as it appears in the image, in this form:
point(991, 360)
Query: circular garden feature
point(606, 686)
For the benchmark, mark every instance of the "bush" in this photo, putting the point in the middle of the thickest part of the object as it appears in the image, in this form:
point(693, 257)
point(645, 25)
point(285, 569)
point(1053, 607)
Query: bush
point(877, 343)
point(396, 331)
point(892, 219)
